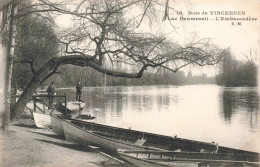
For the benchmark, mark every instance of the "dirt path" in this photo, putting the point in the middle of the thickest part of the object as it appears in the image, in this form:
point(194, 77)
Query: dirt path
point(27, 146)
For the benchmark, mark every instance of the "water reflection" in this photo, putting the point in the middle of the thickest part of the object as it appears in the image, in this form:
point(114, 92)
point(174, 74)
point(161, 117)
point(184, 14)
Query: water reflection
point(243, 101)
point(207, 113)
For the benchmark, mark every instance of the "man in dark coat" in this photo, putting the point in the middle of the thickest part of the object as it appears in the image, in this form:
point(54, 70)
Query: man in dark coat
point(51, 93)
point(78, 91)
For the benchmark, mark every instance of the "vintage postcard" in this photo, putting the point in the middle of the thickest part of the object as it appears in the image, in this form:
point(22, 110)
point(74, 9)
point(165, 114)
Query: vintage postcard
point(110, 83)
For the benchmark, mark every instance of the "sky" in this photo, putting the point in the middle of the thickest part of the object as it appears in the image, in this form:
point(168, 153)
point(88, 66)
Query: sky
point(239, 38)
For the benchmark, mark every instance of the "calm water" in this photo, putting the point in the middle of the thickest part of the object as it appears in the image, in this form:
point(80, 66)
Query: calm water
point(229, 116)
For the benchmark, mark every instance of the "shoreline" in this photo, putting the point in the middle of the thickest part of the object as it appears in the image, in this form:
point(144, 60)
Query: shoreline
point(26, 145)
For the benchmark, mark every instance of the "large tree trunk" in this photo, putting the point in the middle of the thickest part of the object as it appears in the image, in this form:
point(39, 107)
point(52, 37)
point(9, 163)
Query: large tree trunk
point(3, 57)
point(9, 54)
point(31, 87)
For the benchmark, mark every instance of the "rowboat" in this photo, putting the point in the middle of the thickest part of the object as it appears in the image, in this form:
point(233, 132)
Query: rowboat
point(48, 120)
point(74, 133)
point(56, 124)
point(171, 158)
point(114, 138)
point(42, 120)
point(76, 105)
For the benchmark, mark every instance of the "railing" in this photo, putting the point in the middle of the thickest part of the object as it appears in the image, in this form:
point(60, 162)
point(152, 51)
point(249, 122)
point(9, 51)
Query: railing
point(45, 101)
point(31, 111)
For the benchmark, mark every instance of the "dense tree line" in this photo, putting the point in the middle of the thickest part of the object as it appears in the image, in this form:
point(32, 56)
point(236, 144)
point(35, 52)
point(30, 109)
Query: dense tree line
point(237, 73)
point(70, 75)
point(199, 79)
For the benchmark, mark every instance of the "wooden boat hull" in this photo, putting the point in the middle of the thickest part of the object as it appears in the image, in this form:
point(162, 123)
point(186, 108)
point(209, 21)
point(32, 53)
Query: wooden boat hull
point(169, 158)
point(138, 162)
point(42, 120)
point(56, 124)
point(75, 134)
point(73, 105)
point(84, 132)
point(145, 163)
point(118, 138)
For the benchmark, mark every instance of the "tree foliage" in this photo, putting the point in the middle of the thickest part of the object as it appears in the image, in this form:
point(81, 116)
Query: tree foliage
point(237, 73)
point(35, 45)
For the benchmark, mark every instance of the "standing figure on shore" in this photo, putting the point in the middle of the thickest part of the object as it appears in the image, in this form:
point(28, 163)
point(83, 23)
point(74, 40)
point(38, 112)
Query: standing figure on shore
point(51, 93)
point(78, 91)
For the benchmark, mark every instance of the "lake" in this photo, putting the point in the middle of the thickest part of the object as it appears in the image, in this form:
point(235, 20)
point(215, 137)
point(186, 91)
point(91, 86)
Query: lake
point(226, 115)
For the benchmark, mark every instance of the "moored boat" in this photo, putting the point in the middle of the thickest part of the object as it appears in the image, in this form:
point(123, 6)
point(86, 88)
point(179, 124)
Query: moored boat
point(42, 120)
point(170, 158)
point(56, 124)
point(118, 138)
point(83, 136)
point(76, 105)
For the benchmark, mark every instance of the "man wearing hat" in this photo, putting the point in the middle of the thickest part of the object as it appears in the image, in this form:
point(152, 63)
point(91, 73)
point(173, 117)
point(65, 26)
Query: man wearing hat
point(51, 92)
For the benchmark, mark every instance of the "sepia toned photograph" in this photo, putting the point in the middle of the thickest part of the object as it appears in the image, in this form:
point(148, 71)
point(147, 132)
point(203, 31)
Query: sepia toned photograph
point(129, 83)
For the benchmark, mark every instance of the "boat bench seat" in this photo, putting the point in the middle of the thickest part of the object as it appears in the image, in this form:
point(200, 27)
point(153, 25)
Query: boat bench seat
point(103, 134)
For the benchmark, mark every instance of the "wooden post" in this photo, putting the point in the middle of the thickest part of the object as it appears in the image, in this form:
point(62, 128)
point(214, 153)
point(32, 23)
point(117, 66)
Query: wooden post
point(65, 103)
point(34, 103)
point(43, 105)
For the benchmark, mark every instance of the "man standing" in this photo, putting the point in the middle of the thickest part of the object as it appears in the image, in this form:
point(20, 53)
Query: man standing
point(78, 91)
point(51, 93)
